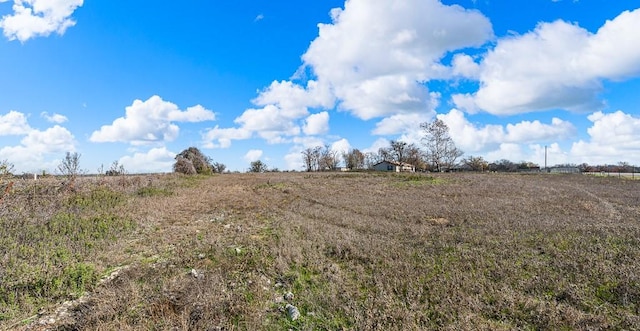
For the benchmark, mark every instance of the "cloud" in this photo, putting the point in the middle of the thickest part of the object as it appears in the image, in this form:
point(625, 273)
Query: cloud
point(316, 124)
point(54, 118)
point(14, 123)
point(294, 161)
point(379, 143)
point(253, 155)
point(150, 121)
point(154, 160)
point(36, 146)
point(33, 18)
point(558, 65)
point(612, 136)
point(294, 99)
point(221, 137)
point(282, 106)
point(464, 66)
point(472, 138)
point(341, 146)
point(373, 61)
point(401, 123)
point(376, 54)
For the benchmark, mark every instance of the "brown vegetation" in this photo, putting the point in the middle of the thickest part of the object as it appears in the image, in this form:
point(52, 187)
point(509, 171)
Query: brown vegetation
point(358, 251)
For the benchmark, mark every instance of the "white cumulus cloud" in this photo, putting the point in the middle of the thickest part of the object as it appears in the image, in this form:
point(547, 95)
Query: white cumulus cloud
point(154, 160)
point(372, 60)
point(14, 123)
point(473, 138)
point(376, 53)
point(150, 121)
point(54, 118)
point(341, 146)
point(613, 137)
point(558, 65)
point(221, 137)
point(317, 123)
point(33, 18)
point(36, 148)
point(253, 155)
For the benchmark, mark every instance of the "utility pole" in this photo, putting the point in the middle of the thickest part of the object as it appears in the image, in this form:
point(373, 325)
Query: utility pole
point(545, 159)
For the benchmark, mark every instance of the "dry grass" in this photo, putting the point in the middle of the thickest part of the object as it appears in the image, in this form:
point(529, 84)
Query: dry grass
point(358, 250)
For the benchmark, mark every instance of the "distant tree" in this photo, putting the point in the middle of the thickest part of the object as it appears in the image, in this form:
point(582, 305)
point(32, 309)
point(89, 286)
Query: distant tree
point(625, 167)
point(384, 154)
point(200, 162)
point(329, 159)
point(320, 158)
point(399, 150)
point(258, 166)
point(503, 165)
point(219, 167)
point(116, 169)
point(441, 151)
point(476, 163)
point(311, 158)
point(70, 165)
point(354, 159)
point(371, 159)
point(585, 167)
point(415, 156)
point(527, 165)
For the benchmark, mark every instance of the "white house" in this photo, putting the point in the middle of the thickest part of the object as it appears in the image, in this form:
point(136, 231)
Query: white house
point(394, 166)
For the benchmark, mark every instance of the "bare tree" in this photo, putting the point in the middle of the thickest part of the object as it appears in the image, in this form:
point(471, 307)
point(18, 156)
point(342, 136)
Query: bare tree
point(476, 163)
point(70, 165)
point(441, 151)
point(116, 169)
point(398, 150)
point(311, 158)
point(384, 154)
point(219, 167)
point(329, 159)
point(354, 159)
point(415, 156)
point(370, 159)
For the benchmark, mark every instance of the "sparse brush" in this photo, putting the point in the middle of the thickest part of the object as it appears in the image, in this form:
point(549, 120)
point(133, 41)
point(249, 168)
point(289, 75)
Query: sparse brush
point(360, 251)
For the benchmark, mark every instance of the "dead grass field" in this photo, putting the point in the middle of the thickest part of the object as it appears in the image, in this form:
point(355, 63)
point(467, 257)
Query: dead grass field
point(359, 251)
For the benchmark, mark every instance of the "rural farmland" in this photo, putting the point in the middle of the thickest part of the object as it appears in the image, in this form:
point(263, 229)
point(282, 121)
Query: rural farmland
point(350, 251)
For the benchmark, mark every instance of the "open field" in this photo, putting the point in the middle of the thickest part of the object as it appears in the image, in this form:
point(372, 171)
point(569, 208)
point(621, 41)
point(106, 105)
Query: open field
point(358, 251)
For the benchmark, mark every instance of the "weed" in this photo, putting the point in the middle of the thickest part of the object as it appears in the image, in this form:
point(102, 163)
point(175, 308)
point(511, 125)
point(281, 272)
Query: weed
point(153, 191)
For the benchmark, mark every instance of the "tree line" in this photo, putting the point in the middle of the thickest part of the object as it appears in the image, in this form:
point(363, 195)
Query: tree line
point(436, 152)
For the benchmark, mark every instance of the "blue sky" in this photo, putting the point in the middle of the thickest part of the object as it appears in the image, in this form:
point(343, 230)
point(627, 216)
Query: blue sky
point(138, 81)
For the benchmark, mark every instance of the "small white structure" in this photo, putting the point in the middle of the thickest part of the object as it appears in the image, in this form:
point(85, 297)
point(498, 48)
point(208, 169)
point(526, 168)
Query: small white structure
point(394, 166)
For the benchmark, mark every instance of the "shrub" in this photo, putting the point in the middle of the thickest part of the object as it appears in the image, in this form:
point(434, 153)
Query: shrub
point(184, 166)
point(201, 163)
